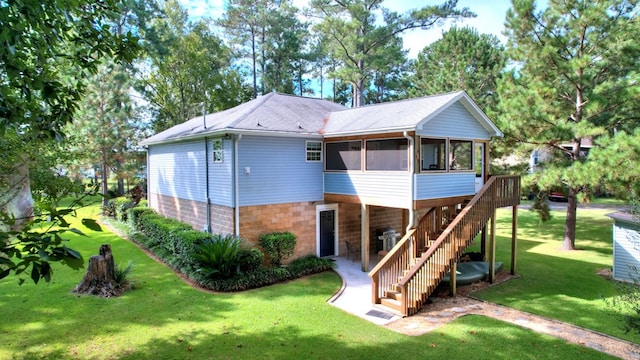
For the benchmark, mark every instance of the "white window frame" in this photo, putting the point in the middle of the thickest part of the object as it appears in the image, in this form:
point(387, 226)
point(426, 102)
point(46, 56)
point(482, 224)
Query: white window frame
point(217, 153)
point(317, 152)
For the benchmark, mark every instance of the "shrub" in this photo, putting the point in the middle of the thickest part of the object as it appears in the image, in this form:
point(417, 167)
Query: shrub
point(310, 264)
point(278, 245)
point(250, 259)
point(627, 302)
point(122, 205)
point(109, 209)
point(218, 256)
point(121, 275)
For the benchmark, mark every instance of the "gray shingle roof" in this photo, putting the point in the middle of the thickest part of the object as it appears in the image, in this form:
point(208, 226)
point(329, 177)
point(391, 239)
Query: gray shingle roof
point(288, 114)
point(269, 113)
point(403, 115)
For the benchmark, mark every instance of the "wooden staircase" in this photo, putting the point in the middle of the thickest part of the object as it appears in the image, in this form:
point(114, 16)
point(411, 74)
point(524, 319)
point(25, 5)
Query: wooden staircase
point(411, 271)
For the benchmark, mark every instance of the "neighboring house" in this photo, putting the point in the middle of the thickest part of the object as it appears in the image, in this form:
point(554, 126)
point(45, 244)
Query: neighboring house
point(328, 174)
point(626, 247)
point(543, 154)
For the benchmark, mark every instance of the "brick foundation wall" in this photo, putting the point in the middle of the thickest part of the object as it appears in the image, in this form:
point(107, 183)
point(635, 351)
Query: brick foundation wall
point(194, 213)
point(297, 218)
point(379, 218)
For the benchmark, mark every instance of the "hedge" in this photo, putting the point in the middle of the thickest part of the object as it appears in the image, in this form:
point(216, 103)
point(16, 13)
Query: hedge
point(176, 244)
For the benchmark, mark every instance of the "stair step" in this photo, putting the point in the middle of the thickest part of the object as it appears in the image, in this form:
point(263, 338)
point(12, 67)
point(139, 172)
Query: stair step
point(391, 303)
point(391, 294)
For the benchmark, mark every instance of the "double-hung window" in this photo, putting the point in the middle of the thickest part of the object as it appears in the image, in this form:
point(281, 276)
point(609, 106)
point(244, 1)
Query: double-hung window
point(314, 151)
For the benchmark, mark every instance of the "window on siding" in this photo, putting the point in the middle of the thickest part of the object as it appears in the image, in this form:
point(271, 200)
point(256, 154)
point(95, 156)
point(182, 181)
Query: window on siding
point(460, 155)
point(433, 154)
point(218, 151)
point(314, 151)
point(343, 155)
point(388, 155)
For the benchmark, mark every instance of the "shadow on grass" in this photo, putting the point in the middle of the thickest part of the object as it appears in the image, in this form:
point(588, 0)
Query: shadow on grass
point(471, 338)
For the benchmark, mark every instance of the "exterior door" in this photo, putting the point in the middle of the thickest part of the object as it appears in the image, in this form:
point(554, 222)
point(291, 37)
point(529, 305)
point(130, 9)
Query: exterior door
point(327, 233)
point(479, 165)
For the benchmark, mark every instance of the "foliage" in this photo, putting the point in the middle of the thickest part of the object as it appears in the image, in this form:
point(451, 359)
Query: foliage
point(249, 259)
point(190, 70)
point(217, 257)
point(48, 50)
point(271, 36)
point(309, 264)
point(278, 245)
point(575, 82)
point(627, 303)
point(121, 274)
point(365, 45)
point(462, 59)
point(105, 130)
point(40, 242)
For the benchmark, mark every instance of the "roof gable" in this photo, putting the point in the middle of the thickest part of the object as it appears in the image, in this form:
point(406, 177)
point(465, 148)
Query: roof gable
point(403, 115)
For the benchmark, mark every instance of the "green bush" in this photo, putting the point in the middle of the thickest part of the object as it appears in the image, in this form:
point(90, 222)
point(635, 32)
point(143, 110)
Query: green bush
point(136, 214)
point(250, 259)
point(218, 256)
point(309, 265)
point(278, 245)
point(122, 205)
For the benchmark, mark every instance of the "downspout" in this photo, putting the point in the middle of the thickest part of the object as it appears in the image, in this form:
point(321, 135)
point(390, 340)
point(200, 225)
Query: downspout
point(236, 183)
point(412, 166)
point(206, 169)
point(148, 174)
point(206, 180)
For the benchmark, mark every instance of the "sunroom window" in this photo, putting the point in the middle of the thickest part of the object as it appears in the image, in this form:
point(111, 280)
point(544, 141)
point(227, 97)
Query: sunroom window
point(387, 155)
point(433, 154)
point(344, 155)
point(460, 155)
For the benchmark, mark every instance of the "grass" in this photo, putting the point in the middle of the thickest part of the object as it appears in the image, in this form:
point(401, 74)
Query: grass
point(165, 318)
point(559, 284)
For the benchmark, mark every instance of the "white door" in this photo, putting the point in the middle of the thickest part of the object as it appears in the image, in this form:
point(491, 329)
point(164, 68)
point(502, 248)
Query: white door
point(479, 165)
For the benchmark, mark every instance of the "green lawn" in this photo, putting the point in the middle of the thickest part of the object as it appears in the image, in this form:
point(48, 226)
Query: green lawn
point(163, 318)
point(559, 284)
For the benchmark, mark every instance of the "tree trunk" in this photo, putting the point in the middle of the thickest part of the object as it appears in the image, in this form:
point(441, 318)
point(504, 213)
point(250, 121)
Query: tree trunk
point(105, 179)
point(569, 242)
point(100, 277)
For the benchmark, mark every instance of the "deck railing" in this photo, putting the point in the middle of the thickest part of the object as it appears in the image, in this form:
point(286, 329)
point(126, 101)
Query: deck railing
point(415, 266)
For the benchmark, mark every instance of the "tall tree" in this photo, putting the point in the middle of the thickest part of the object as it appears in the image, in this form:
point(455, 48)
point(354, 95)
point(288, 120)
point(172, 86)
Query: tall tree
point(573, 82)
point(360, 43)
point(104, 129)
point(271, 35)
point(462, 59)
point(189, 67)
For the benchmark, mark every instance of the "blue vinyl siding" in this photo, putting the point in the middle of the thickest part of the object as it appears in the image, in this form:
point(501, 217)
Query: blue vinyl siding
point(454, 122)
point(221, 175)
point(625, 251)
point(277, 171)
point(381, 185)
point(433, 186)
point(177, 170)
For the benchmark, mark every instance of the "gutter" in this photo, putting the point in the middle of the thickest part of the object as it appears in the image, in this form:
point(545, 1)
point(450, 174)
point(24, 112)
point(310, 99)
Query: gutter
point(236, 184)
point(412, 166)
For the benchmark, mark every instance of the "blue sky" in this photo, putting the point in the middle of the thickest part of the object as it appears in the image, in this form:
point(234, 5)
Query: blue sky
point(489, 20)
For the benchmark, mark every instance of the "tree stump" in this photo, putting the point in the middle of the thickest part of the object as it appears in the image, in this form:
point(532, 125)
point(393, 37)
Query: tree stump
point(100, 277)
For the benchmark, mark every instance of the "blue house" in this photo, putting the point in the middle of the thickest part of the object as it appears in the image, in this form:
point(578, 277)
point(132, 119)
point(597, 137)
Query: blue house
point(339, 179)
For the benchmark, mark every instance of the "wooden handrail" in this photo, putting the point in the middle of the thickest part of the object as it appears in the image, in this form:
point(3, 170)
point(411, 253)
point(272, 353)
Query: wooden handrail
point(419, 273)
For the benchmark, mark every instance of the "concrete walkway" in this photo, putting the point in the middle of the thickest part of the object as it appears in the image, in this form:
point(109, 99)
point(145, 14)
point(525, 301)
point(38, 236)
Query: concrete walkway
point(355, 298)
